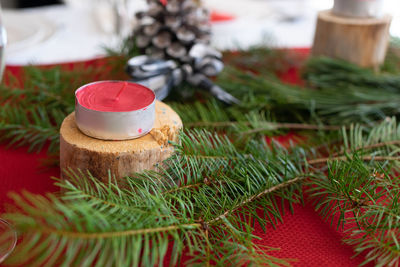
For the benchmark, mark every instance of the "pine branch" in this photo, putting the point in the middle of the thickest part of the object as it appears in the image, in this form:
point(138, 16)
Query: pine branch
point(367, 147)
point(32, 113)
point(104, 235)
point(355, 187)
point(333, 104)
point(294, 126)
point(324, 72)
point(265, 100)
point(158, 208)
point(268, 126)
point(33, 127)
point(261, 194)
point(212, 183)
point(361, 191)
point(343, 158)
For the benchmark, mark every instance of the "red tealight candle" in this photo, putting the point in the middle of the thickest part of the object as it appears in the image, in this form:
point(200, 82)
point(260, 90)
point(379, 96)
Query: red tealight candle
point(114, 110)
point(114, 96)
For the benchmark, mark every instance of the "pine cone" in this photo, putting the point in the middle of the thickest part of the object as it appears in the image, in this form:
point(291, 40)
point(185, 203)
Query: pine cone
point(170, 31)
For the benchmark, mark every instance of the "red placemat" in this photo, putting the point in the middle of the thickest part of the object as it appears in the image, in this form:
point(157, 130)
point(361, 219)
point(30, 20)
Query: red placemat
point(303, 235)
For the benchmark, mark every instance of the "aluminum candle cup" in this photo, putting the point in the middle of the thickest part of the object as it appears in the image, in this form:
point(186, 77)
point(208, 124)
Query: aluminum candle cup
point(358, 8)
point(114, 110)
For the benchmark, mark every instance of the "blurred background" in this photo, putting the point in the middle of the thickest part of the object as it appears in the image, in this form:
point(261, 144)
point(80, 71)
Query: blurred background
point(54, 31)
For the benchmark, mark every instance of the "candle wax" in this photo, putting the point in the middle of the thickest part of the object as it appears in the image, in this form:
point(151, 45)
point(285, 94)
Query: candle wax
point(102, 96)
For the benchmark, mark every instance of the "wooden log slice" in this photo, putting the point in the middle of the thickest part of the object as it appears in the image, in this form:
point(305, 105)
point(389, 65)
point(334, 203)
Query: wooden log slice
point(363, 41)
point(122, 158)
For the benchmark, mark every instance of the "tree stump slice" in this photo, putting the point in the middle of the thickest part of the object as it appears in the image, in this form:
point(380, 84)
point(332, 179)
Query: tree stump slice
point(121, 158)
point(363, 41)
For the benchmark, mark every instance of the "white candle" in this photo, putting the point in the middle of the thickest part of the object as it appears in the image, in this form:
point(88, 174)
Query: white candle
point(358, 8)
point(114, 110)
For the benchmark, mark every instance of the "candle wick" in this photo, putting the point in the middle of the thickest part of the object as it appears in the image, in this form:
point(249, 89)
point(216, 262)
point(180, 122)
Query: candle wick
point(120, 91)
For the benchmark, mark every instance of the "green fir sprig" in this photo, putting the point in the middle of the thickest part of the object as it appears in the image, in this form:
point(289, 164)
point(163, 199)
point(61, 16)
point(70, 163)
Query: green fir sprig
point(363, 198)
point(361, 191)
point(201, 202)
point(206, 200)
point(265, 100)
point(35, 104)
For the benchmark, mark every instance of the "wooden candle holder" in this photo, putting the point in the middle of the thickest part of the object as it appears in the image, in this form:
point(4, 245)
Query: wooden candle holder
point(363, 41)
point(121, 158)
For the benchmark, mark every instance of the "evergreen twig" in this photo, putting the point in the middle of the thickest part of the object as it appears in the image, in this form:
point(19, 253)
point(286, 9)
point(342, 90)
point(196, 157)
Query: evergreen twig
point(342, 158)
point(170, 211)
point(355, 195)
point(251, 199)
point(212, 183)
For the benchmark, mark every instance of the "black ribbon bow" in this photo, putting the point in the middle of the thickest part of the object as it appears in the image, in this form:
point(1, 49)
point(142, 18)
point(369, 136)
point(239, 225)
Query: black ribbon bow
point(161, 75)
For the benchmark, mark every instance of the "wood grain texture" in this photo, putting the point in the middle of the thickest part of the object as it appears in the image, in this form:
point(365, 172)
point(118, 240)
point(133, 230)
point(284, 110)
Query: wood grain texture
point(363, 41)
point(122, 158)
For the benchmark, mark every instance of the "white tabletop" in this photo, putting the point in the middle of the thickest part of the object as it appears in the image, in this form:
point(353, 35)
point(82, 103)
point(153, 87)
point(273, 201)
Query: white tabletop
point(68, 33)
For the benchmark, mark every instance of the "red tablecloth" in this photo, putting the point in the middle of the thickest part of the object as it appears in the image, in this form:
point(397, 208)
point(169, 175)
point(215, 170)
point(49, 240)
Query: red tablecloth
point(303, 235)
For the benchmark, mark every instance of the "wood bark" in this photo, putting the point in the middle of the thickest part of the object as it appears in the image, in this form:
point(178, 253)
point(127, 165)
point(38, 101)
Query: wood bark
point(120, 158)
point(363, 41)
